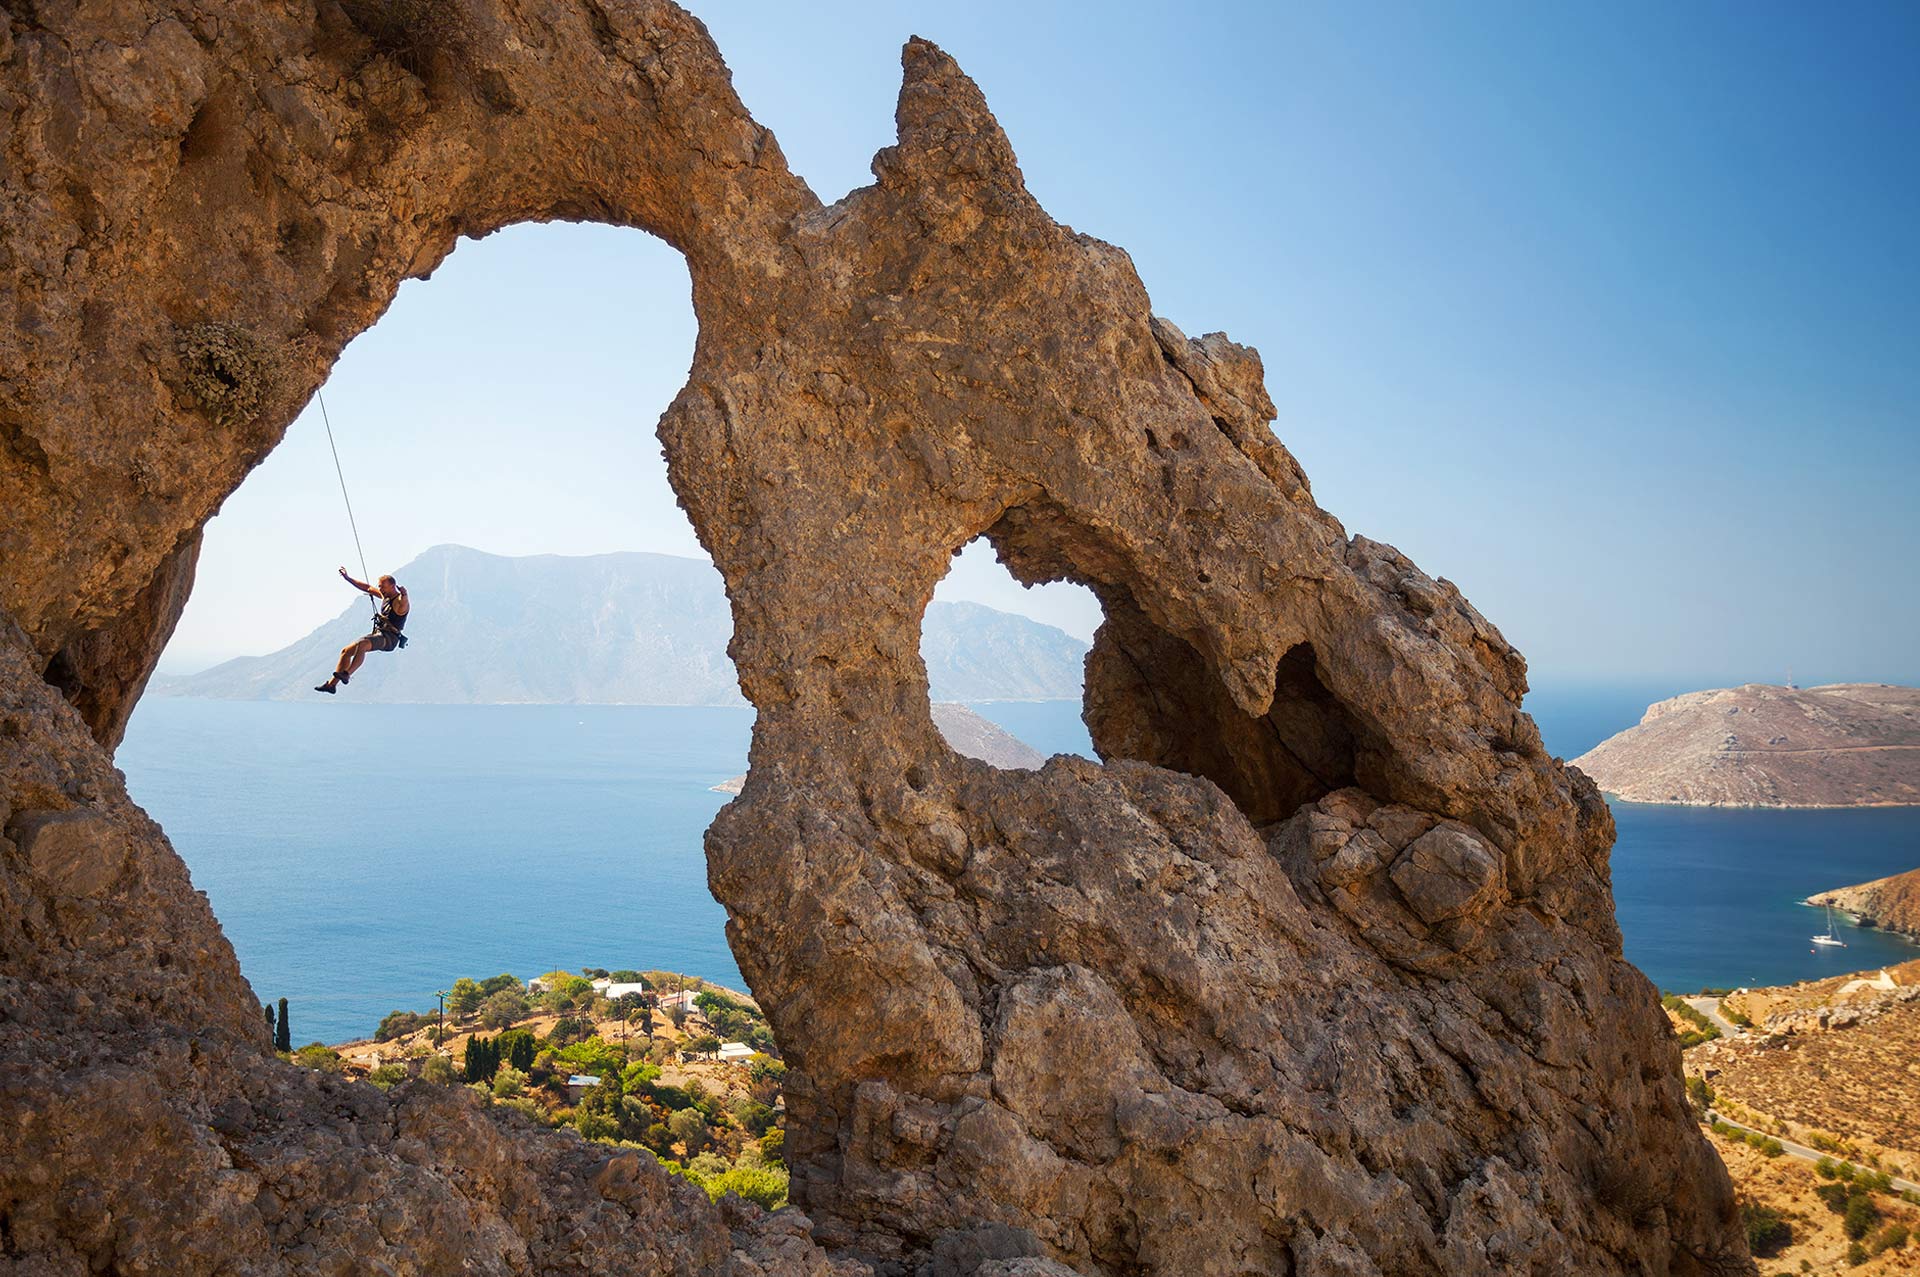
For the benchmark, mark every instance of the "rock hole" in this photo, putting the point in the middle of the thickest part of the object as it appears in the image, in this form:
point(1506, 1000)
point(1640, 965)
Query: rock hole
point(1006, 663)
point(1152, 697)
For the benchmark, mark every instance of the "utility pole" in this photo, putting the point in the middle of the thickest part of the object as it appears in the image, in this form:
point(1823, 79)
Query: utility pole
point(440, 1030)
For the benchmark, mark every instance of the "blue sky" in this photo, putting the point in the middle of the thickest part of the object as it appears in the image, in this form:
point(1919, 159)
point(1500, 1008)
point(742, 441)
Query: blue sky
point(1610, 314)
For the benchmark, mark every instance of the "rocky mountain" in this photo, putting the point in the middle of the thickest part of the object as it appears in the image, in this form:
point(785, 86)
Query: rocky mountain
point(967, 733)
point(622, 629)
point(1892, 904)
point(1845, 745)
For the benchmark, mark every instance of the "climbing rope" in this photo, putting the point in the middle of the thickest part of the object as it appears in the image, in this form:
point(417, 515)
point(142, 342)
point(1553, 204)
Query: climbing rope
point(351, 521)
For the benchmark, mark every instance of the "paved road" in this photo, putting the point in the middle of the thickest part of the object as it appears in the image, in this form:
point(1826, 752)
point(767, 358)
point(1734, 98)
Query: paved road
point(1710, 1007)
point(1802, 1151)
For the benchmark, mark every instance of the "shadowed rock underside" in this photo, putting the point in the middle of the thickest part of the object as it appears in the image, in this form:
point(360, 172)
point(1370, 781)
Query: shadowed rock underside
point(1317, 974)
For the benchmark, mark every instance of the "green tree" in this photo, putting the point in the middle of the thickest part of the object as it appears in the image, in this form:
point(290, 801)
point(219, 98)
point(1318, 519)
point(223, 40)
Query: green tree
point(690, 1129)
point(396, 1024)
point(465, 996)
point(268, 1008)
point(438, 1069)
point(509, 1082)
point(1767, 1232)
point(773, 1146)
point(282, 1031)
point(502, 1007)
point(1861, 1216)
point(319, 1057)
point(705, 1044)
point(518, 1049)
point(483, 1058)
point(500, 984)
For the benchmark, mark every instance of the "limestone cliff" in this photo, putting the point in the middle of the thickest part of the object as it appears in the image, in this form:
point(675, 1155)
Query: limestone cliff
point(1318, 973)
point(1847, 745)
point(1892, 904)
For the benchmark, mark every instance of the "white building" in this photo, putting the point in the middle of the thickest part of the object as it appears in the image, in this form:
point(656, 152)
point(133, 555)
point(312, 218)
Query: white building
point(736, 1053)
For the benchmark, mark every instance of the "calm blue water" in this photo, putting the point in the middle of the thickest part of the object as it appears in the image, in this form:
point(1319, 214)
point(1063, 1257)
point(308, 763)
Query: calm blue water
point(361, 856)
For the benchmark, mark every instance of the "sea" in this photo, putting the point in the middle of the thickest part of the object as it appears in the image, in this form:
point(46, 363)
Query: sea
point(361, 857)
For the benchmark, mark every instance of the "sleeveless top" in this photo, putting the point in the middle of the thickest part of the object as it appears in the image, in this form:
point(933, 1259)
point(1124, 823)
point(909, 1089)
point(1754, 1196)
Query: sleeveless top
point(389, 620)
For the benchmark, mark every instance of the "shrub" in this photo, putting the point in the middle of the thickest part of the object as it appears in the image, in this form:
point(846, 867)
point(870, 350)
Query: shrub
point(764, 1185)
point(690, 1129)
point(502, 1008)
point(398, 1024)
point(1767, 1232)
point(502, 983)
point(437, 1069)
point(773, 1146)
point(1836, 1196)
point(1771, 1147)
point(1861, 1216)
point(595, 1055)
point(509, 1082)
point(1856, 1254)
point(630, 977)
point(388, 1076)
point(319, 1057)
point(1826, 1168)
point(568, 1029)
point(594, 1125)
point(1893, 1238)
point(228, 371)
point(1699, 1093)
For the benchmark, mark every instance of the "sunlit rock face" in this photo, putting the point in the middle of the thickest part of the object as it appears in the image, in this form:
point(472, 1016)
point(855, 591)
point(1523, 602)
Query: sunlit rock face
point(1317, 974)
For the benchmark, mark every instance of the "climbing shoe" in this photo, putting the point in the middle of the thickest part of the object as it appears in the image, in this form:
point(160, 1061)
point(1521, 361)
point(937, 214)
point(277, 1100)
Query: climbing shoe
point(326, 687)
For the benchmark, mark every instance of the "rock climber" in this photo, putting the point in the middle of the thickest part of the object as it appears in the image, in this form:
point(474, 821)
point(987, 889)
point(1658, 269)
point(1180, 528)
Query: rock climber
point(387, 624)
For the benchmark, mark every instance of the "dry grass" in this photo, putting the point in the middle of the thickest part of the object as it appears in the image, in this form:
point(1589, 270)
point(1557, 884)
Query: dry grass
point(1787, 1185)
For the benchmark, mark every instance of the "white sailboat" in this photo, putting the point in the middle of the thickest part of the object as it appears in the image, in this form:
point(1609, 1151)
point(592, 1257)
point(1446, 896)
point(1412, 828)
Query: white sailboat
point(1830, 938)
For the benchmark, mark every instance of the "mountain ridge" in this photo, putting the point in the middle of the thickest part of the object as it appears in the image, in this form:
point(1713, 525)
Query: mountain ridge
point(1760, 745)
point(625, 628)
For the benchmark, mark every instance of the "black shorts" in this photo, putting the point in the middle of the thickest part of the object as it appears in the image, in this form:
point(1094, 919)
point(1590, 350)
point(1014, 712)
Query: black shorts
point(379, 642)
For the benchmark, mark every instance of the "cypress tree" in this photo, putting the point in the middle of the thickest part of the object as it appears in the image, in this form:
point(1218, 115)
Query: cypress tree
point(282, 1033)
point(470, 1067)
point(520, 1054)
point(268, 1008)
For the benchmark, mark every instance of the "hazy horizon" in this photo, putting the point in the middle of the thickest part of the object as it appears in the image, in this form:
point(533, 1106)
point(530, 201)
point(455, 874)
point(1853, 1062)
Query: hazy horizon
point(1604, 313)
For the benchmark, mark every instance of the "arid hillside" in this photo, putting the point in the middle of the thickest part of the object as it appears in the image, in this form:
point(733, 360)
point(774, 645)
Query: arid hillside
point(1847, 745)
point(1892, 904)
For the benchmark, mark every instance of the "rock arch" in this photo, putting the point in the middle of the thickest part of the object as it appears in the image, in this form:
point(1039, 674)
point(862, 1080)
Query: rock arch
point(1359, 1006)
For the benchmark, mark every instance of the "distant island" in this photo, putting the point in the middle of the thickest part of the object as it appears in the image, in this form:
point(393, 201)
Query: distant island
point(1891, 904)
point(608, 629)
point(967, 733)
point(1844, 745)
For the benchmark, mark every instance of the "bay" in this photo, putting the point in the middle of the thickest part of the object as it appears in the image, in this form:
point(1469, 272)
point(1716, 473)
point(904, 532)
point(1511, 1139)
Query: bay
point(360, 857)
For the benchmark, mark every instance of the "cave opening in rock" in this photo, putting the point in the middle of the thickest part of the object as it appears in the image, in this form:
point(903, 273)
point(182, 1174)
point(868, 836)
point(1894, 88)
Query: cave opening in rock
point(1151, 695)
point(1006, 663)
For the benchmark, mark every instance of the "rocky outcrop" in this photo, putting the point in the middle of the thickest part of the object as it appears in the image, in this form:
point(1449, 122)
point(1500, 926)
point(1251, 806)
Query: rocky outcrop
point(1847, 745)
point(964, 732)
point(1317, 973)
point(1891, 904)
